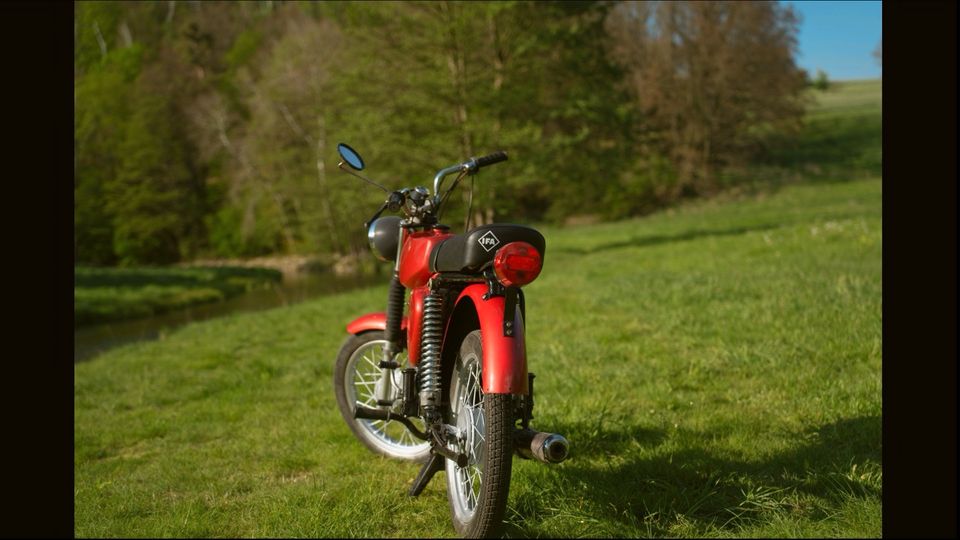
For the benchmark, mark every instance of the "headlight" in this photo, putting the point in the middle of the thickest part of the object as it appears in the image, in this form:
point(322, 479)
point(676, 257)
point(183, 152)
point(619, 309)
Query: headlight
point(383, 235)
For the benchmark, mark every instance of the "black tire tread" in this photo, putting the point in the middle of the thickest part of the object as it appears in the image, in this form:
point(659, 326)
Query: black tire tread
point(496, 479)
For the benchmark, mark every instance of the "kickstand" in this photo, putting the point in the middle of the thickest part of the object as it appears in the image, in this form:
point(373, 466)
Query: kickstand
point(429, 469)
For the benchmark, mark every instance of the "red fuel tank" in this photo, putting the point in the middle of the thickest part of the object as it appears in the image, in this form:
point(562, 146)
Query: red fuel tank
point(414, 268)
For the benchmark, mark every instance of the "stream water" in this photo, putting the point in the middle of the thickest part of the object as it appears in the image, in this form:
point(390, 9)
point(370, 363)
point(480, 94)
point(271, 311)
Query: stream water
point(89, 341)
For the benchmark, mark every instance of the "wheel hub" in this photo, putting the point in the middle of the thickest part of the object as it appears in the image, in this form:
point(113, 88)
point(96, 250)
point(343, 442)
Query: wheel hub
point(469, 423)
point(394, 386)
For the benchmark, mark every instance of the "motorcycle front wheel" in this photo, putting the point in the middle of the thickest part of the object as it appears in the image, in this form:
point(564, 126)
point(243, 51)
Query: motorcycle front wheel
point(355, 382)
point(485, 425)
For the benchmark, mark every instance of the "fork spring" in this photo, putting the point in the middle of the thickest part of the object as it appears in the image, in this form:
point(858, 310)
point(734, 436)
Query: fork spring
point(430, 343)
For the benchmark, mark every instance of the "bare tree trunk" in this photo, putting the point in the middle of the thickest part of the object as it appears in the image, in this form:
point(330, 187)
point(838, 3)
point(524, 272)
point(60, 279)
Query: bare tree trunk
point(171, 7)
point(322, 178)
point(125, 34)
point(321, 168)
point(252, 171)
point(706, 169)
point(100, 40)
point(486, 214)
point(456, 63)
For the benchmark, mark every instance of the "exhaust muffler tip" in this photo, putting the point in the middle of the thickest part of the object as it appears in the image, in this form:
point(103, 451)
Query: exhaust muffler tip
point(555, 448)
point(542, 446)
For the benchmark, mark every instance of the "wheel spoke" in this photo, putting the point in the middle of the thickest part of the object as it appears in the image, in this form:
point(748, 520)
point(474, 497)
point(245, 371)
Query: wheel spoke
point(474, 492)
point(371, 355)
point(365, 377)
point(468, 487)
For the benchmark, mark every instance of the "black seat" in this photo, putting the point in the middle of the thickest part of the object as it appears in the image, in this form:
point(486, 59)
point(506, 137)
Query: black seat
point(472, 251)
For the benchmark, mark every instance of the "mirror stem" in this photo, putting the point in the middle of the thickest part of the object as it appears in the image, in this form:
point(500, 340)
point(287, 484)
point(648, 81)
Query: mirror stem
point(364, 178)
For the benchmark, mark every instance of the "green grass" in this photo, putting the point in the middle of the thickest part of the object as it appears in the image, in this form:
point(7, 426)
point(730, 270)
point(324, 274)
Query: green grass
point(108, 294)
point(716, 367)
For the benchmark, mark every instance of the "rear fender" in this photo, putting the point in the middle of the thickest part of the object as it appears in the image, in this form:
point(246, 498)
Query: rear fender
point(504, 357)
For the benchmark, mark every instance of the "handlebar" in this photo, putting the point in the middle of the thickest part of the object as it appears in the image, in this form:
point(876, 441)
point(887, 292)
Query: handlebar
point(470, 167)
point(421, 205)
point(495, 157)
point(396, 199)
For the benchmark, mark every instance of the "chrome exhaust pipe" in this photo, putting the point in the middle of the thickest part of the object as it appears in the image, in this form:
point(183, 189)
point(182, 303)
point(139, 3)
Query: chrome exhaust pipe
point(541, 446)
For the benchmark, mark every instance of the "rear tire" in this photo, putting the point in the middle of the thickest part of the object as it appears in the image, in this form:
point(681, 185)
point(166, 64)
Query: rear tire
point(354, 381)
point(478, 492)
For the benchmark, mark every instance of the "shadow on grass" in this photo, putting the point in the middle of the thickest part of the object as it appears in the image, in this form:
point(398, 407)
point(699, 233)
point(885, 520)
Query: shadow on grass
point(651, 240)
point(711, 490)
point(590, 441)
point(831, 148)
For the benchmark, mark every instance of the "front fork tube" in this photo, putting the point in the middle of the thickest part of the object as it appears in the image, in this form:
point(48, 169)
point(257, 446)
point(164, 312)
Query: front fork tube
point(385, 386)
point(395, 297)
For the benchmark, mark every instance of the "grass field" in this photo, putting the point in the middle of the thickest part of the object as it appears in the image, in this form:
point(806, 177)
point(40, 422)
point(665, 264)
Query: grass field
point(109, 294)
point(716, 368)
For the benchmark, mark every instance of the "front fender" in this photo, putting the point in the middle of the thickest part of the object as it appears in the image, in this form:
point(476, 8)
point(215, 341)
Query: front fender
point(504, 357)
point(372, 321)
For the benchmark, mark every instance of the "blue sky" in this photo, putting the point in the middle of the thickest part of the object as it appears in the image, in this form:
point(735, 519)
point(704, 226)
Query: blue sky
point(839, 38)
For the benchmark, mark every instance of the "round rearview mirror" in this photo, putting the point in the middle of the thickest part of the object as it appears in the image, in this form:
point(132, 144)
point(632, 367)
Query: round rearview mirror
point(350, 156)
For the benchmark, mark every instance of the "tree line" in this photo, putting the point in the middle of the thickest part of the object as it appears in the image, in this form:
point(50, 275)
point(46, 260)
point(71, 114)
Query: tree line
point(210, 128)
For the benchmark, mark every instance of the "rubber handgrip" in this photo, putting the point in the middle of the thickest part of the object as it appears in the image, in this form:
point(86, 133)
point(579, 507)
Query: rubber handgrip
point(495, 157)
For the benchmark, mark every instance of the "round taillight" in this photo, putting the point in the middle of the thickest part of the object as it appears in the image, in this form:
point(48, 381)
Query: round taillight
point(517, 264)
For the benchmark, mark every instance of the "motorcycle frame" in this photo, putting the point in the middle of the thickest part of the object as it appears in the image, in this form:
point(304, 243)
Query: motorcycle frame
point(504, 355)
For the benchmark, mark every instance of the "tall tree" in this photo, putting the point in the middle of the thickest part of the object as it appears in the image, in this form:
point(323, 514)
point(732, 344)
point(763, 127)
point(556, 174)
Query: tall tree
point(714, 78)
point(105, 74)
point(155, 198)
point(529, 78)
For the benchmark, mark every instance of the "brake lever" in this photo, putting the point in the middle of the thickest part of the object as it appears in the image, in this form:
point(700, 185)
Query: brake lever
point(393, 202)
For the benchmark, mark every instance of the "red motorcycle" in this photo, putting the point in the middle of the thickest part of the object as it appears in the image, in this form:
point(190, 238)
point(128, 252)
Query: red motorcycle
point(447, 383)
